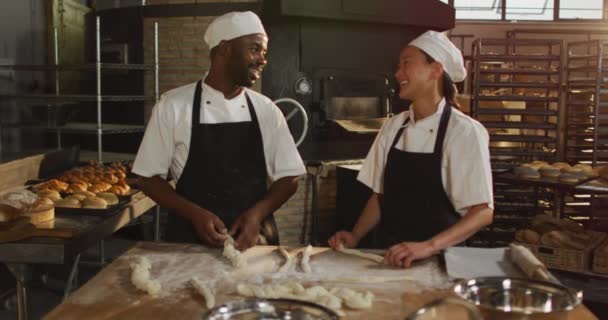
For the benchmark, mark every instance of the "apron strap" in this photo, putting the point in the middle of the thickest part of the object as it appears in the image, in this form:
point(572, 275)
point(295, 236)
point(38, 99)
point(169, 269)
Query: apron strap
point(443, 126)
point(400, 132)
point(196, 103)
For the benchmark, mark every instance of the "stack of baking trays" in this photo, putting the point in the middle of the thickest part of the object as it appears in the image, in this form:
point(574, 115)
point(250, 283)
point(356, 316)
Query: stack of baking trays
point(94, 188)
point(516, 95)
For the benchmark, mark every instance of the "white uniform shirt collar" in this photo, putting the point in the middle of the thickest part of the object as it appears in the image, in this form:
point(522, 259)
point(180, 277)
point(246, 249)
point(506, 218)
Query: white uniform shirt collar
point(216, 94)
point(431, 121)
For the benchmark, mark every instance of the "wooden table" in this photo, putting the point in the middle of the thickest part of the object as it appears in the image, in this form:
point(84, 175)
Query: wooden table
point(110, 294)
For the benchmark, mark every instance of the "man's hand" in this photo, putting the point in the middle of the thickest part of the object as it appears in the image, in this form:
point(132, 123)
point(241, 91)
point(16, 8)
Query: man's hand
point(248, 227)
point(347, 239)
point(209, 227)
point(404, 253)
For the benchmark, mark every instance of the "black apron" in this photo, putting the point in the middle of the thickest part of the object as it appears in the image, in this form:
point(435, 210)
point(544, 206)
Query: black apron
point(225, 172)
point(414, 206)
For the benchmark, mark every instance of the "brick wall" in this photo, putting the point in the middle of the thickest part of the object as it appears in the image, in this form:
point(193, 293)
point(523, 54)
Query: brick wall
point(183, 58)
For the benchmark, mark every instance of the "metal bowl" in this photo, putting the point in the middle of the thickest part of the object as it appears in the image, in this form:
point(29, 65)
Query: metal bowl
point(514, 298)
point(270, 309)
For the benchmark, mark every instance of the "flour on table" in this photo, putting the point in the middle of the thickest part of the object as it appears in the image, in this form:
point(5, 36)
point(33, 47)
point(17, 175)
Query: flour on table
point(140, 276)
point(333, 298)
point(204, 291)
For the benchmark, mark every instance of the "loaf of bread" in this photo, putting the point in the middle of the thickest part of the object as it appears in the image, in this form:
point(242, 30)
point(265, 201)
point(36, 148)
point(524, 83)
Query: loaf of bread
point(527, 236)
point(560, 165)
point(560, 239)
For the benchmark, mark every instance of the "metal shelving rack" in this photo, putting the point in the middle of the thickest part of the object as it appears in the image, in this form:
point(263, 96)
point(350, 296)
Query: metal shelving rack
point(516, 96)
point(515, 92)
point(586, 136)
point(56, 98)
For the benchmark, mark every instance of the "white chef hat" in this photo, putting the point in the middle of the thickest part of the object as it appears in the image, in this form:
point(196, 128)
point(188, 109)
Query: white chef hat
point(233, 25)
point(440, 48)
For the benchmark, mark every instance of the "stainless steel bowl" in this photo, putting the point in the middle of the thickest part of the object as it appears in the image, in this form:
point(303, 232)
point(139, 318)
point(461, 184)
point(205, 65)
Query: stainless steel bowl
point(270, 309)
point(514, 298)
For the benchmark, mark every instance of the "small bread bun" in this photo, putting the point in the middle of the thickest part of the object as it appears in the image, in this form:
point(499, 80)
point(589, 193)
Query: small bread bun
point(86, 193)
point(583, 166)
point(571, 177)
point(572, 169)
point(560, 165)
point(8, 213)
point(527, 173)
point(43, 202)
point(51, 194)
point(77, 187)
point(68, 203)
point(527, 236)
point(77, 196)
point(117, 190)
point(94, 203)
point(549, 172)
point(534, 166)
point(110, 198)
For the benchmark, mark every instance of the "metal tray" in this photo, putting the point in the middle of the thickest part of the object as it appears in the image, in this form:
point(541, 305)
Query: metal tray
point(270, 309)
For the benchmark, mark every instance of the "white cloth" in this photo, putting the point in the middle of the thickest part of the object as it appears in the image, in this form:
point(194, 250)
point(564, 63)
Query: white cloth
point(438, 46)
point(167, 138)
point(465, 165)
point(232, 25)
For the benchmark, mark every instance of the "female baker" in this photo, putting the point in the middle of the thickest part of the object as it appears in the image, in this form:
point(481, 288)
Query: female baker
point(429, 167)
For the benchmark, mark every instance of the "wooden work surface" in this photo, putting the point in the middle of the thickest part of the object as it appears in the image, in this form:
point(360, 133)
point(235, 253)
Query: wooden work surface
point(110, 294)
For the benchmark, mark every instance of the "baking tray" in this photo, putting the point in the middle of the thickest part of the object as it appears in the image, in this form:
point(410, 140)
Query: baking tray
point(122, 201)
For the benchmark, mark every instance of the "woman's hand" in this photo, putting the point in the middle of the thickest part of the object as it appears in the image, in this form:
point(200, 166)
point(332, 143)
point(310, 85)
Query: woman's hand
point(404, 253)
point(347, 239)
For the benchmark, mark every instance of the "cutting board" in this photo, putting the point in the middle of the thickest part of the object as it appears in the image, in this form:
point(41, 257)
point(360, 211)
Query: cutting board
point(111, 295)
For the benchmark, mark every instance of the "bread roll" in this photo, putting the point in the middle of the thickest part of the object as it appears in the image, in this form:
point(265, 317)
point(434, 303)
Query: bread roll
point(572, 169)
point(94, 203)
point(51, 194)
point(77, 196)
point(549, 172)
point(68, 203)
point(560, 165)
point(8, 213)
point(43, 202)
point(110, 198)
point(527, 236)
point(86, 193)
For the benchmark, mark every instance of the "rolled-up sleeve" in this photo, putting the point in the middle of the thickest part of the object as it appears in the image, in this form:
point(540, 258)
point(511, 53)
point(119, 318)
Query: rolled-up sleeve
point(469, 171)
point(155, 153)
point(372, 171)
point(282, 156)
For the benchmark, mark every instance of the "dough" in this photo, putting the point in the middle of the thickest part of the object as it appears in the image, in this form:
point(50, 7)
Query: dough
point(357, 253)
point(305, 263)
point(140, 276)
point(333, 298)
point(204, 291)
point(236, 258)
point(353, 299)
point(288, 260)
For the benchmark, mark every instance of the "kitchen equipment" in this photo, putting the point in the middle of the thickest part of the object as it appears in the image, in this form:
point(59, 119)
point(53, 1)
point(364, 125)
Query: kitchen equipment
point(518, 298)
point(446, 308)
point(22, 229)
point(270, 309)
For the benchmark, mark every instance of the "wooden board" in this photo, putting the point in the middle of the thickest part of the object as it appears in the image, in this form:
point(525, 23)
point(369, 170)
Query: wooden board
point(110, 294)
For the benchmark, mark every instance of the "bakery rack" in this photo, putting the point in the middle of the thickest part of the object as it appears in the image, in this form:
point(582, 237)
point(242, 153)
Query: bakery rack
point(515, 93)
point(586, 135)
point(57, 99)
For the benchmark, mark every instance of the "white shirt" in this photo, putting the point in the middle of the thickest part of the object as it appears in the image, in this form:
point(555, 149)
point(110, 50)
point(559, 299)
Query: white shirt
point(465, 165)
point(166, 141)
